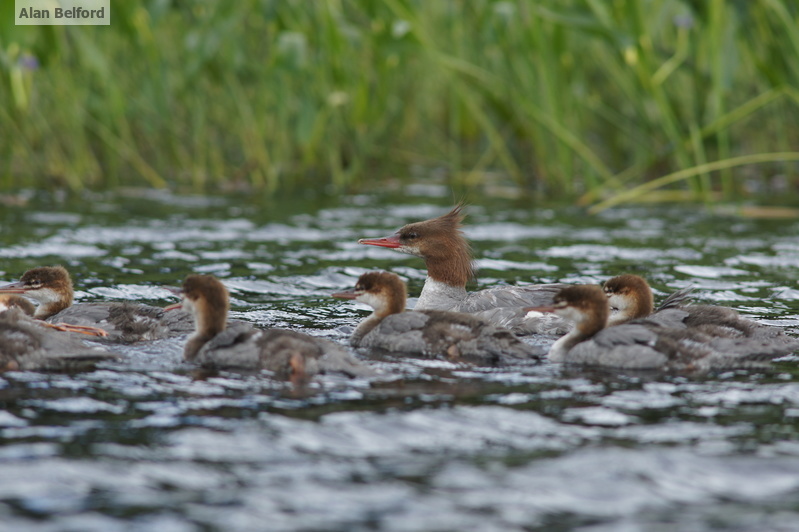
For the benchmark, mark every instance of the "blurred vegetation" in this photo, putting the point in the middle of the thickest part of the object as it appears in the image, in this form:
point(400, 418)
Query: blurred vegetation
point(606, 101)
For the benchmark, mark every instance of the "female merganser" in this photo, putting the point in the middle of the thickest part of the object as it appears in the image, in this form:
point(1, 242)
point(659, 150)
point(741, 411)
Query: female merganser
point(51, 287)
point(454, 335)
point(448, 258)
point(630, 297)
point(29, 344)
point(664, 344)
point(288, 354)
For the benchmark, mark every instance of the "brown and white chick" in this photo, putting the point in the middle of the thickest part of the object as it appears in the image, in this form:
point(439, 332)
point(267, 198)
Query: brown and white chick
point(51, 287)
point(429, 333)
point(288, 354)
point(13, 301)
point(630, 297)
point(662, 344)
point(30, 344)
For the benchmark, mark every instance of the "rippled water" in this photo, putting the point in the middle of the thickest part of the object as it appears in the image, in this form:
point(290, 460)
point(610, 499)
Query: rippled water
point(150, 444)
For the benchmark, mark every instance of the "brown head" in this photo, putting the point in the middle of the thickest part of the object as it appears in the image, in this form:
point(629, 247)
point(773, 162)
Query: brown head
point(629, 296)
point(385, 292)
point(207, 299)
point(51, 286)
point(586, 305)
point(440, 242)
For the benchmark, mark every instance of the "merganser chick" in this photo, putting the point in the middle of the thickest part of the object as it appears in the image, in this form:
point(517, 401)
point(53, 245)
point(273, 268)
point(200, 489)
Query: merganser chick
point(13, 301)
point(288, 354)
point(448, 258)
point(665, 344)
point(429, 333)
point(630, 297)
point(51, 287)
point(29, 344)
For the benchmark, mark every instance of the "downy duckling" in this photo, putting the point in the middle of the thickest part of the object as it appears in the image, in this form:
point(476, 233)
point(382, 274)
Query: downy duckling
point(30, 344)
point(51, 287)
point(630, 297)
point(429, 333)
point(288, 354)
point(663, 344)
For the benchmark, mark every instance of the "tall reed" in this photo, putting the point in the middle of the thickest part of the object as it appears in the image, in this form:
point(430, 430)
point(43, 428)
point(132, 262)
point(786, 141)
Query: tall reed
point(573, 98)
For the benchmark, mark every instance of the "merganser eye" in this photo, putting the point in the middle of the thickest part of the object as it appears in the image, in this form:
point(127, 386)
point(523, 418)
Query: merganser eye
point(412, 235)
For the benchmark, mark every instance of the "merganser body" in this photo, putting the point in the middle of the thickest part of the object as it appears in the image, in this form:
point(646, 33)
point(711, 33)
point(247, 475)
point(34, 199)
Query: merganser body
point(51, 287)
point(429, 333)
point(664, 341)
point(288, 354)
point(30, 344)
point(448, 258)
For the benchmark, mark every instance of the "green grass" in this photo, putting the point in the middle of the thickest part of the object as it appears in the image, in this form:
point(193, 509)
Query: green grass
point(596, 100)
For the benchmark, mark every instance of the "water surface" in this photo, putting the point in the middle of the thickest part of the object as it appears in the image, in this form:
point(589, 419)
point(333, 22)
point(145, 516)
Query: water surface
point(151, 444)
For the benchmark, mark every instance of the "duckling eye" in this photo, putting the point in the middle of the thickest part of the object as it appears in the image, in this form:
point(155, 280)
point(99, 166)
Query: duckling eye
point(36, 284)
point(412, 235)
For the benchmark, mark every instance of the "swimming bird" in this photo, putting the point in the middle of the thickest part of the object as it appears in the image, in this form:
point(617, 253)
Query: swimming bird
point(666, 343)
point(288, 354)
point(448, 258)
point(13, 301)
point(29, 344)
point(429, 333)
point(51, 287)
point(630, 297)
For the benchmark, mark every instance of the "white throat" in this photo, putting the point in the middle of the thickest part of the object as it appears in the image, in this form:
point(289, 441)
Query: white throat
point(561, 347)
point(620, 310)
point(558, 351)
point(191, 308)
point(49, 301)
point(439, 296)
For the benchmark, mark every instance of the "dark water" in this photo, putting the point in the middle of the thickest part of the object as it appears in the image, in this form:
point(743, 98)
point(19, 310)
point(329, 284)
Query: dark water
point(147, 444)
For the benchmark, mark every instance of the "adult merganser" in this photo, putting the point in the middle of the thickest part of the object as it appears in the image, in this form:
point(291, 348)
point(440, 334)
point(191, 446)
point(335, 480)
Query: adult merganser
point(448, 258)
point(455, 335)
point(29, 344)
point(664, 344)
point(288, 354)
point(630, 297)
point(51, 287)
